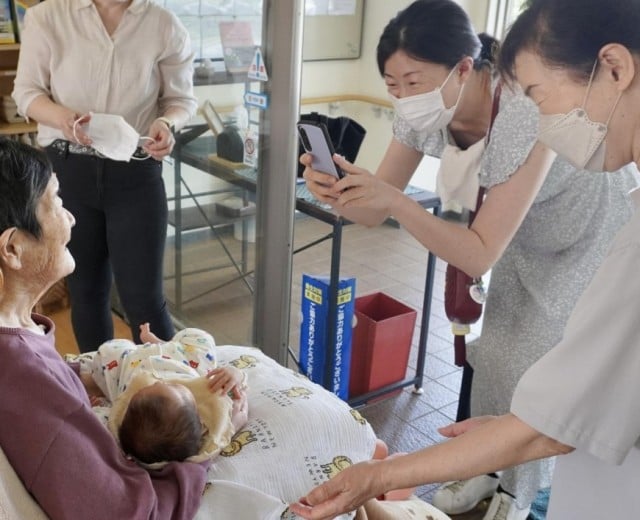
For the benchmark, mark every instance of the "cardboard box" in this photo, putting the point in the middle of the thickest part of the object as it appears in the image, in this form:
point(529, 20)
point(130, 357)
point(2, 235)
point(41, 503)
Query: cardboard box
point(313, 332)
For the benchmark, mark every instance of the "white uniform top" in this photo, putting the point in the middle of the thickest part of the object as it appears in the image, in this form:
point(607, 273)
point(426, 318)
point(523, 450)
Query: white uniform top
point(585, 392)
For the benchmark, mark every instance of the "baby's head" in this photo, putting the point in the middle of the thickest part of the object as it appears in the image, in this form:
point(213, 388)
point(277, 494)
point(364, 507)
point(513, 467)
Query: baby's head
point(161, 424)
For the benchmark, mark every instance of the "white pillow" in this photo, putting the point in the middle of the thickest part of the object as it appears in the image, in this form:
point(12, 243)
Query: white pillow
point(298, 434)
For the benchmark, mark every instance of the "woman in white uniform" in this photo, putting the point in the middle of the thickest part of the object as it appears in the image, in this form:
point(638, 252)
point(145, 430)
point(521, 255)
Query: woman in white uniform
point(580, 63)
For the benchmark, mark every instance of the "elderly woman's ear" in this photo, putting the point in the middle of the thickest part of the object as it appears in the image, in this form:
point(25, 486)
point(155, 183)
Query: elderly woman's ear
point(10, 251)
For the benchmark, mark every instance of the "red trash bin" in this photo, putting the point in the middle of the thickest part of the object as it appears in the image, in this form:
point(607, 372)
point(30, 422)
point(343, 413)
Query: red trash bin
point(381, 342)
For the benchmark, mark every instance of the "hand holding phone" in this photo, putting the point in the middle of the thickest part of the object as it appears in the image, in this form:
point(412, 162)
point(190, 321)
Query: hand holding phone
point(316, 141)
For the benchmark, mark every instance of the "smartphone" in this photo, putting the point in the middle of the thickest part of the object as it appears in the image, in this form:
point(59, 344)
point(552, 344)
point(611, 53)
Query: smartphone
point(316, 141)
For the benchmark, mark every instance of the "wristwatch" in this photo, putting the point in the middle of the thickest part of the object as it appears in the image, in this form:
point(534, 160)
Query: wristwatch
point(168, 122)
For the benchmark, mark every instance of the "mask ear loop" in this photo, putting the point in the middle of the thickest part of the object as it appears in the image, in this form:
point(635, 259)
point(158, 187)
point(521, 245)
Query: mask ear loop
point(613, 109)
point(144, 138)
point(584, 101)
point(446, 81)
point(586, 94)
point(75, 124)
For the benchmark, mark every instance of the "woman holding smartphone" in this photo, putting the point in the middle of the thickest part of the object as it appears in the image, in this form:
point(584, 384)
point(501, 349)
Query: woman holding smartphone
point(542, 235)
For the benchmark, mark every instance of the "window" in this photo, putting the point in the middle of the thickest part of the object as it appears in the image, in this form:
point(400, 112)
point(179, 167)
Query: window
point(501, 15)
point(514, 9)
point(202, 18)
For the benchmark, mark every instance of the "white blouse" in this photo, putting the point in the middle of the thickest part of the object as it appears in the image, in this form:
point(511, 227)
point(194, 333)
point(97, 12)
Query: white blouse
point(142, 69)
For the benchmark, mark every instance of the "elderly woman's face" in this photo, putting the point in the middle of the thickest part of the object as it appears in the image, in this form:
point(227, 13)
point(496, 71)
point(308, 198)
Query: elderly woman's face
point(48, 257)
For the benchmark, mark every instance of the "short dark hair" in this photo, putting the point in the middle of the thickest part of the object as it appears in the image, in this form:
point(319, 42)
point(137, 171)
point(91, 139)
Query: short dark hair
point(154, 429)
point(25, 172)
point(438, 31)
point(568, 34)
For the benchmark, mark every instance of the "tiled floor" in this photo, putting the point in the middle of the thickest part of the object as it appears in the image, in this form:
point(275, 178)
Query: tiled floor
point(384, 259)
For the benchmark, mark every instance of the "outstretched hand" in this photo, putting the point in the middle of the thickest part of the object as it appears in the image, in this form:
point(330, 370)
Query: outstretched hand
point(458, 428)
point(343, 493)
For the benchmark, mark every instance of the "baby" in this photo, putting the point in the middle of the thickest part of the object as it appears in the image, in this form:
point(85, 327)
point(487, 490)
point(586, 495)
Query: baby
point(170, 400)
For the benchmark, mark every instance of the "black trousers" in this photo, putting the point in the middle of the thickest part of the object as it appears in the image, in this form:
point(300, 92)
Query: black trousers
point(121, 226)
point(464, 401)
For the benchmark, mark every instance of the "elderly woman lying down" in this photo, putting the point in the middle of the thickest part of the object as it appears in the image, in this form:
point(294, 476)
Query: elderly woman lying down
point(57, 459)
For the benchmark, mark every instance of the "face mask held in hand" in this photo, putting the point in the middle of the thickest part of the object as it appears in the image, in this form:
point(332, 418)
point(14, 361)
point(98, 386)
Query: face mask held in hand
point(113, 137)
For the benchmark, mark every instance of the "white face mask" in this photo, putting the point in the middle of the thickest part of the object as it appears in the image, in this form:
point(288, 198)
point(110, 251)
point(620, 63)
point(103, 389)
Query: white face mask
point(112, 136)
point(575, 136)
point(426, 112)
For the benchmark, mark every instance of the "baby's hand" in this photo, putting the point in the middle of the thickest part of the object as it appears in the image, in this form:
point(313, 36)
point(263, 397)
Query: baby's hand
point(224, 379)
point(93, 390)
point(97, 400)
point(240, 409)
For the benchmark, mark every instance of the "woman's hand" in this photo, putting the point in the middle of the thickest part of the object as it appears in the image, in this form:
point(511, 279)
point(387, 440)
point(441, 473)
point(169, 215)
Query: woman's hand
point(43, 110)
point(163, 140)
point(358, 189)
point(71, 125)
point(226, 379)
point(318, 183)
point(455, 429)
point(345, 492)
point(361, 189)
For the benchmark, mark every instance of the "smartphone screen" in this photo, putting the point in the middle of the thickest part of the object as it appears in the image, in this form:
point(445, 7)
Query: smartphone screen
point(316, 141)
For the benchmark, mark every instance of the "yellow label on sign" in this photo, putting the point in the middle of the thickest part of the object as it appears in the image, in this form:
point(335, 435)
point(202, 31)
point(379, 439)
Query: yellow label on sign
point(313, 293)
point(344, 295)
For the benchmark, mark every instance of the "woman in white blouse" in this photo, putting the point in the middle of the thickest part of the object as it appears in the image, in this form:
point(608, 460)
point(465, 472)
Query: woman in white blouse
point(80, 60)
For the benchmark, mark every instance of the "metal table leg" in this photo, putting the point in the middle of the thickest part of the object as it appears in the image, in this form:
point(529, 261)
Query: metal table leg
point(426, 314)
point(332, 310)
